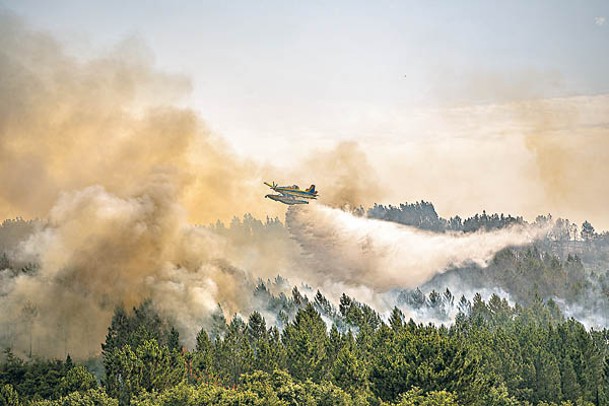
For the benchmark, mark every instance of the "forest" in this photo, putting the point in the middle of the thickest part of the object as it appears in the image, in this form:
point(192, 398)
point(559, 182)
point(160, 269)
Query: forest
point(439, 344)
point(493, 354)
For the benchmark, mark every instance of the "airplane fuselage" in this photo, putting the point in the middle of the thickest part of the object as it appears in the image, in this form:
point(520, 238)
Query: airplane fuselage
point(294, 191)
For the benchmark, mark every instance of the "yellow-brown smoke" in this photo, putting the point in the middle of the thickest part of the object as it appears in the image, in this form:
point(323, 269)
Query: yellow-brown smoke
point(68, 124)
point(119, 174)
point(99, 251)
point(571, 148)
point(344, 176)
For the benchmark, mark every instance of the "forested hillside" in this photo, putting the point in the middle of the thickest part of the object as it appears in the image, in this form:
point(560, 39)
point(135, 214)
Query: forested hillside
point(493, 354)
point(528, 328)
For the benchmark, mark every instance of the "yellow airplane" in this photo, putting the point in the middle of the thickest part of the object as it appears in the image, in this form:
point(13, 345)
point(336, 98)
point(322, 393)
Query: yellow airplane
point(291, 194)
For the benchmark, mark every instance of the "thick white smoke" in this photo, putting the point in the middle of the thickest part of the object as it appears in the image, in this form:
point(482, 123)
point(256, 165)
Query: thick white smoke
point(359, 251)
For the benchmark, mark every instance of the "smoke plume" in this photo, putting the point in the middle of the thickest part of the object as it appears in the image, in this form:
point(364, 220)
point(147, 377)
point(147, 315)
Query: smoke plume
point(346, 176)
point(119, 176)
point(382, 255)
point(66, 124)
point(100, 251)
point(570, 146)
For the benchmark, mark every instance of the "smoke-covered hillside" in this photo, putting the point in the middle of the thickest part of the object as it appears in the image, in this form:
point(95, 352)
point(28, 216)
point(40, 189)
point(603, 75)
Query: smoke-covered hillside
point(498, 333)
point(427, 266)
point(567, 263)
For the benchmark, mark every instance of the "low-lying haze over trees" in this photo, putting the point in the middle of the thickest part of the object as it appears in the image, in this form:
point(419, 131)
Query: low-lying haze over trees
point(508, 331)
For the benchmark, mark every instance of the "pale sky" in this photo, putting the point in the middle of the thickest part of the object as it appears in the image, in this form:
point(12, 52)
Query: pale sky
point(278, 79)
point(326, 69)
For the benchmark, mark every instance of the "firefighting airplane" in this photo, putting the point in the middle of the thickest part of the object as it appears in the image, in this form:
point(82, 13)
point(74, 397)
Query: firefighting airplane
point(291, 194)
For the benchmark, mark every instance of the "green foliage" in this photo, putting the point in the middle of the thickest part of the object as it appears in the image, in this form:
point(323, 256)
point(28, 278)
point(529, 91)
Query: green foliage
point(233, 354)
point(416, 397)
point(77, 379)
point(141, 352)
point(279, 388)
point(494, 354)
point(9, 396)
point(205, 394)
point(41, 379)
point(143, 324)
point(396, 320)
point(92, 397)
point(358, 315)
point(423, 357)
point(348, 371)
point(306, 342)
point(150, 367)
point(200, 362)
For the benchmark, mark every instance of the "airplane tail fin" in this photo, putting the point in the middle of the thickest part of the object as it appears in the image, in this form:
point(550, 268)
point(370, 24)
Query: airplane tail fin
point(311, 190)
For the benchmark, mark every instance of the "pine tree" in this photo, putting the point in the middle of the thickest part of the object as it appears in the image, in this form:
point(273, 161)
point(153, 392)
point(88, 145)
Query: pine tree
point(569, 385)
point(306, 342)
point(348, 372)
point(233, 354)
point(256, 327)
point(202, 364)
point(173, 340)
point(218, 324)
point(77, 379)
point(396, 320)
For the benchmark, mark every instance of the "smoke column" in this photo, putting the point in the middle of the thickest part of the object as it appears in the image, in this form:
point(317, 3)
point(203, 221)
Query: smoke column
point(99, 251)
point(67, 124)
point(98, 150)
point(119, 175)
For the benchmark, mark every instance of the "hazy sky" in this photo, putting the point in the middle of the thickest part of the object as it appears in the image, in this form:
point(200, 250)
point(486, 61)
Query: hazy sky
point(337, 68)
point(278, 79)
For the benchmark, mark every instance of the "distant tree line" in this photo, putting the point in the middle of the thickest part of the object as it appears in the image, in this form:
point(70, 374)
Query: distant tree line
point(423, 215)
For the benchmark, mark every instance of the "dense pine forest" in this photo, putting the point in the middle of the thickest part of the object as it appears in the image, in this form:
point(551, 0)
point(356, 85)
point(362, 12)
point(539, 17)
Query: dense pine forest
point(527, 329)
point(493, 354)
